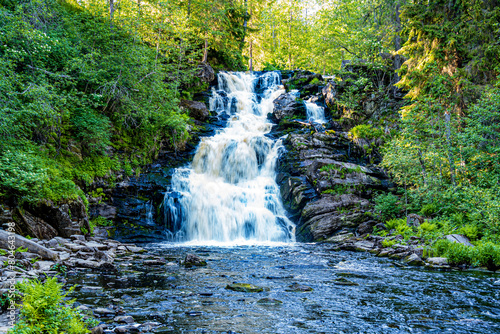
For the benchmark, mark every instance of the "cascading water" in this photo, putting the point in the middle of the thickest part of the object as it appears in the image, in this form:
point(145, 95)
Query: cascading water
point(315, 113)
point(229, 193)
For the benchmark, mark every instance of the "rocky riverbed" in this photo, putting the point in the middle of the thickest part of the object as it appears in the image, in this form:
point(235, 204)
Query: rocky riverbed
point(283, 288)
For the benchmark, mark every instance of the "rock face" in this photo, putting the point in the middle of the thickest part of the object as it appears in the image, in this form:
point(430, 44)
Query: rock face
point(205, 72)
point(196, 109)
point(47, 220)
point(325, 185)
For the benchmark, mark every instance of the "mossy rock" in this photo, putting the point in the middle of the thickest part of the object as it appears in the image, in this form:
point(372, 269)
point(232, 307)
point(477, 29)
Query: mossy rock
point(269, 301)
point(244, 287)
point(296, 287)
point(344, 281)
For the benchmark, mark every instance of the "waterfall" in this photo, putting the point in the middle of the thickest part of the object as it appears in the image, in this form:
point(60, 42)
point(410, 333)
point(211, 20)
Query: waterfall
point(229, 192)
point(315, 113)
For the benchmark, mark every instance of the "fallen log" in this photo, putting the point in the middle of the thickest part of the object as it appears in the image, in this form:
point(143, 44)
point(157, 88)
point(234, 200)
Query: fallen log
point(32, 247)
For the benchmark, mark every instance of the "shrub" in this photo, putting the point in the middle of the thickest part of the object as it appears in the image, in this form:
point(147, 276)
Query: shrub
point(471, 231)
point(393, 224)
point(43, 310)
point(388, 206)
point(488, 255)
point(429, 210)
point(365, 131)
point(426, 227)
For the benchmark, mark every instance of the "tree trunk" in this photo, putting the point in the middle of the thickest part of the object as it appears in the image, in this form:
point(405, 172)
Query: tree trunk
point(290, 39)
point(111, 11)
point(242, 43)
point(189, 8)
point(205, 52)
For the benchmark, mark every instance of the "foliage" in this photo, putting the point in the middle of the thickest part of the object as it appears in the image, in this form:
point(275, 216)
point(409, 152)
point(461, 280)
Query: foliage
point(388, 205)
point(365, 131)
point(84, 94)
point(43, 311)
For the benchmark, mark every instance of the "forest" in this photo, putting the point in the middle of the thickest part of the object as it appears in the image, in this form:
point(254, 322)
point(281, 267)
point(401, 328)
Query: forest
point(90, 89)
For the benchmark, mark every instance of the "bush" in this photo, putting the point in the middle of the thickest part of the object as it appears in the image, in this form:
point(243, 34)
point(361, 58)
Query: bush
point(43, 310)
point(388, 206)
point(365, 131)
point(488, 255)
point(429, 210)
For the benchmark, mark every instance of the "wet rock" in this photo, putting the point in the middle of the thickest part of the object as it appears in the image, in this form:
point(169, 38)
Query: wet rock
point(296, 287)
point(135, 249)
point(125, 319)
point(269, 301)
point(32, 247)
point(340, 237)
point(344, 281)
point(414, 260)
point(101, 311)
point(43, 265)
point(244, 287)
point(97, 330)
point(460, 239)
point(497, 283)
point(287, 106)
point(192, 260)
point(438, 261)
point(77, 237)
point(364, 246)
point(121, 329)
point(196, 109)
point(85, 264)
point(154, 262)
point(148, 326)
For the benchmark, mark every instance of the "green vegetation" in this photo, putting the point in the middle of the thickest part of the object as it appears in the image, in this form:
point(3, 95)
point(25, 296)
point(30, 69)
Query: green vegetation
point(365, 131)
point(87, 90)
point(43, 310)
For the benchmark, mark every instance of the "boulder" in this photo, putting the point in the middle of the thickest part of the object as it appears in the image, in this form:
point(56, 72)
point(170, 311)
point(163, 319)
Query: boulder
point(43, 265)
point(125, 319)
point(296, 287)
point(244, 287)
point(192, 260)
point(460, 239)
point(29, 225)
point(196, 109)
point(287, 105)
point(205, 72)
point(438, 261)
point(414, 260)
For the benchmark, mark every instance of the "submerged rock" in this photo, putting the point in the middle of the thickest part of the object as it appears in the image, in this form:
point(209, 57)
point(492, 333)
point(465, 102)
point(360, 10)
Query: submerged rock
point(244, 287)
point(269, 301)
point(296, 287)
point(192, 260)
point(344, 281)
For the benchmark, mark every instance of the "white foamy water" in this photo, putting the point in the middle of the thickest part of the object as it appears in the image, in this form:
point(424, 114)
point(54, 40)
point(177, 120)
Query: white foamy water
point(315, 113)
point(229, 193)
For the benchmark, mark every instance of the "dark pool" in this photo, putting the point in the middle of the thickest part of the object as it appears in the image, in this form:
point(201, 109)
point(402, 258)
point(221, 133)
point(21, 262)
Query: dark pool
point(387, 298)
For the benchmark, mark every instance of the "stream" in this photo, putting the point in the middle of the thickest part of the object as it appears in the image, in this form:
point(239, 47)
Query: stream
point(385, 299)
